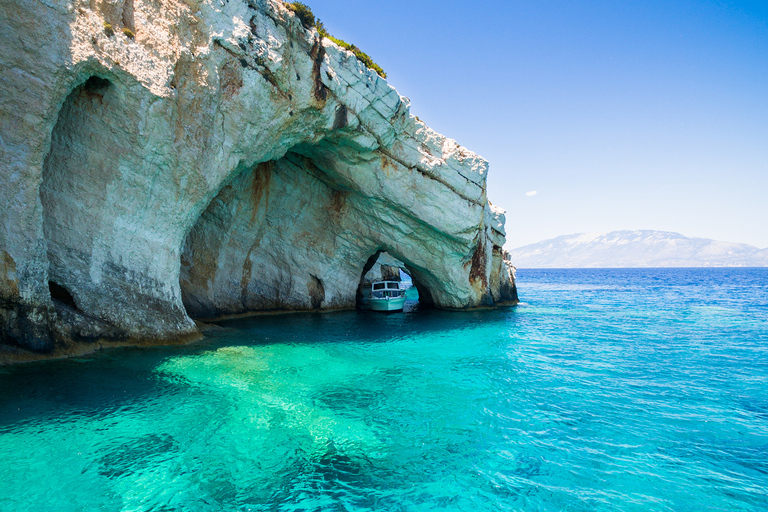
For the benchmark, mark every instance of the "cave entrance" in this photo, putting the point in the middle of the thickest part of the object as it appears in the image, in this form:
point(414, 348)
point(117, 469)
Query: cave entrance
point(75, 177)
point(61, 294)
point(382, 266)
point(223, 267)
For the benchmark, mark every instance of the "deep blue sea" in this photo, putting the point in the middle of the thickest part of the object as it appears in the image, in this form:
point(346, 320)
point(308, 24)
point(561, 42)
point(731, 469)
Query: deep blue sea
point(604, 390)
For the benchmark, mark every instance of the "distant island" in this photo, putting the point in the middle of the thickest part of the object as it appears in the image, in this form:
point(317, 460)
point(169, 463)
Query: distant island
point(644, 248)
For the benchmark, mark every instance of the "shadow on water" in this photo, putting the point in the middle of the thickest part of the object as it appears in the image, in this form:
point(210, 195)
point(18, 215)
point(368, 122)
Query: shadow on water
point(136, 455)
point(73, 389)
point(345, 478)
point(125, 377)
point(330, 476)
point(357, 326)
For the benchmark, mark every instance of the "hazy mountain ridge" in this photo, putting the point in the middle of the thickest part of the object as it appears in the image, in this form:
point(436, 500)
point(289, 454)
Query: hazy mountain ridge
point(643, 248)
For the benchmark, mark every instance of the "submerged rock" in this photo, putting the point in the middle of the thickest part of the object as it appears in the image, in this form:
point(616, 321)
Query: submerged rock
point(211, 159)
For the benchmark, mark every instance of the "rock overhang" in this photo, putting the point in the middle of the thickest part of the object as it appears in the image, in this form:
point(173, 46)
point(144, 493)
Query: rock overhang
point(203, 98)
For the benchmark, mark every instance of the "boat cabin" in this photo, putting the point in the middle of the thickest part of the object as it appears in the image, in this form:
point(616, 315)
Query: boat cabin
point(387, 296)
point(382, 289)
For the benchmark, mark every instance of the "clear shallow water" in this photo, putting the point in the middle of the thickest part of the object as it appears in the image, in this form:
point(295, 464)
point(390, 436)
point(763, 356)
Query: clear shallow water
point(605, 390)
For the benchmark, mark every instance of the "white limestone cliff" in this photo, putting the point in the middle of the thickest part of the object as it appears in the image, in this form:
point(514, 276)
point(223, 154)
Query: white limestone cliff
point(214, 158)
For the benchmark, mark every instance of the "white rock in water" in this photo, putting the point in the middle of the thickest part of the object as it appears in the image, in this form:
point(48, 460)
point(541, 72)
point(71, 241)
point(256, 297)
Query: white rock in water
point(214, 158)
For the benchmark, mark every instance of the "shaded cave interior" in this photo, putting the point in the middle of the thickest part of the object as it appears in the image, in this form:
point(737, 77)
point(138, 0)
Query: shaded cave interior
point(283, 235)
point(293, 233)
point(381, 266)
point(74, 184)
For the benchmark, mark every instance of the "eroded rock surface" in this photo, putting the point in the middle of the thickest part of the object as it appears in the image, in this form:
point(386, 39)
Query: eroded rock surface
point(214, 158)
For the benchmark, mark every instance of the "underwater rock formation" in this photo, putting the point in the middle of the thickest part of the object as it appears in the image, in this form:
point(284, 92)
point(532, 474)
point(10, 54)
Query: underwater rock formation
point(163, 160)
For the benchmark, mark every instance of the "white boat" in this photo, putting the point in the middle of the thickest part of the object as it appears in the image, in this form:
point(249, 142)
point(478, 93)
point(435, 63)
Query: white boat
point(387, 296)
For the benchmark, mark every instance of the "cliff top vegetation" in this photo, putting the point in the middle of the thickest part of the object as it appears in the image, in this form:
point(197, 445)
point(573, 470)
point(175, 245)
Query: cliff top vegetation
point(308, 20)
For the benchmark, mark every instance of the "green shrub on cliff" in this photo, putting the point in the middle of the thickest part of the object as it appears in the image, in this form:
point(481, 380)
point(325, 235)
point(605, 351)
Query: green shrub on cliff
point(303, 12)
point(360, 54)
point(308, 21)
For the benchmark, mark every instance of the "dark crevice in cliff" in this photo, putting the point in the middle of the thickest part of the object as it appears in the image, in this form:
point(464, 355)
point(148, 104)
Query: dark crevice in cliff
point(425, 296)
point(316, 291)
point(317, 54)
point(340, 120)
point(128, 16)
point(62, 295)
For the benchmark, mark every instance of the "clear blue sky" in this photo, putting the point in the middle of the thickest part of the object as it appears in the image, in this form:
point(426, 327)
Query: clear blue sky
point(620, 114)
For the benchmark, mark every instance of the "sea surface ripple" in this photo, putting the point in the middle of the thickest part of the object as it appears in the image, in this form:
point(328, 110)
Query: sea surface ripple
point(642, 389)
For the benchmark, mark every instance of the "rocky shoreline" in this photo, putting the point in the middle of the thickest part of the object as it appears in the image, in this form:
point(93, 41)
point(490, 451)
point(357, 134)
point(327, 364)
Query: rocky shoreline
point(167, 160)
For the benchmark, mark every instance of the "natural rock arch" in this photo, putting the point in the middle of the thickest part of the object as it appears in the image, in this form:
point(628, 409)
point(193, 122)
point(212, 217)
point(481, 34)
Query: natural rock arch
point(290, 235)
point(106, 214)
point(182, 128)
point(425, 295)
point(75, 176)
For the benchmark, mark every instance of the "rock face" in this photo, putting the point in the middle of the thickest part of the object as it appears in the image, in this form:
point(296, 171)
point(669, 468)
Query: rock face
point(385, 268)
point(214, 158)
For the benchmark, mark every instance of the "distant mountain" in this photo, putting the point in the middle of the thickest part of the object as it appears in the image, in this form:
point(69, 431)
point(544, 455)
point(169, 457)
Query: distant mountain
point(645, 248)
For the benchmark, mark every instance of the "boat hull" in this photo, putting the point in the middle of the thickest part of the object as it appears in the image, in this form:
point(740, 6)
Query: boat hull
point(387, 304)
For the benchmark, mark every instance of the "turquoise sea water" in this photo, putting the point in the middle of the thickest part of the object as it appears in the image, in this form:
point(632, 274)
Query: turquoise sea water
point(605, 390)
